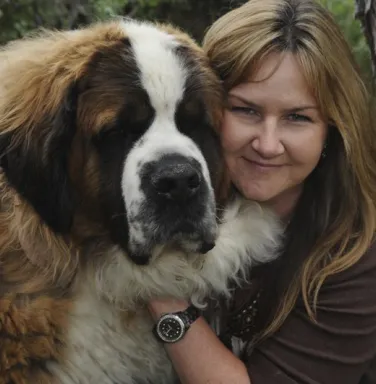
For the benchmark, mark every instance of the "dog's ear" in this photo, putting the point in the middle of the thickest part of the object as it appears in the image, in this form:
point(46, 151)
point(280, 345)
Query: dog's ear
point(35, 161)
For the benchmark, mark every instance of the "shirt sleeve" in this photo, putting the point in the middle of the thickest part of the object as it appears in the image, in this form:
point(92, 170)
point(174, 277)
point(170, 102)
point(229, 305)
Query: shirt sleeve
point(339, 348)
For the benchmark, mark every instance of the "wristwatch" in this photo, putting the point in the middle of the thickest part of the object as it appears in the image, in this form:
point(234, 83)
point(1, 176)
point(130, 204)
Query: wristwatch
point(171, 327)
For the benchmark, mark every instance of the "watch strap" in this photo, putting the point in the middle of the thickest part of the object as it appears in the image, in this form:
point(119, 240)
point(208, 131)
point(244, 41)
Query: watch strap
point(191, 314)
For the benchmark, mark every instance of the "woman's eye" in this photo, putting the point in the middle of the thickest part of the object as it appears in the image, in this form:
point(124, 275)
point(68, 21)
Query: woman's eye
point(243, 110)
point(298, 117)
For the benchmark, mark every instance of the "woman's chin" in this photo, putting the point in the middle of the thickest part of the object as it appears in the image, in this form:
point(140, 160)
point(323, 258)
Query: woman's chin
point(256, 194)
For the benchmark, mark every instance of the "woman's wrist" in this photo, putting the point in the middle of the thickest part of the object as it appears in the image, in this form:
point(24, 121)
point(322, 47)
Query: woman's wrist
point(197, 355)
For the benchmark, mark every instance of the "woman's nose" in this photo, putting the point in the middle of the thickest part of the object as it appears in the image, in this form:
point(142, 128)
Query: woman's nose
point(267, 140)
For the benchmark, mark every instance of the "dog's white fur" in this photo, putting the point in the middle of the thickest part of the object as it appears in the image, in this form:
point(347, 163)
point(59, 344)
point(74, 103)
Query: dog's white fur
point(163, 76)
point(106, 349)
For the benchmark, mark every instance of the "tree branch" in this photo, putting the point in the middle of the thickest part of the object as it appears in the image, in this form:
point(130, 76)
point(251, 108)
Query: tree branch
point(365, 11)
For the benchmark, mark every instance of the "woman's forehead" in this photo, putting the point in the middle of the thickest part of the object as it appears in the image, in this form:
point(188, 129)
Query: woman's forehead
point(278, 77)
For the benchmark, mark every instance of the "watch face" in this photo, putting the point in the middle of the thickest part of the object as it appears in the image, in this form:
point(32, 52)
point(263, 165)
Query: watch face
point(170, 328)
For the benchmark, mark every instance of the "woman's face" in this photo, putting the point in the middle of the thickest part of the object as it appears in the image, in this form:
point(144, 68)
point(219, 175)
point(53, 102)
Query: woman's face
point(273, 133)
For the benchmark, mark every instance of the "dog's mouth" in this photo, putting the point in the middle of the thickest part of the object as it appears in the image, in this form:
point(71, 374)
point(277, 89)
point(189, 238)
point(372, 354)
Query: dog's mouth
point(197, 240)
point(187, 238)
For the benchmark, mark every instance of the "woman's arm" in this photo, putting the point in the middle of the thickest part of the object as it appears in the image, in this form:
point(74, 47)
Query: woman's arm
point(200, 357)
point(339, 348)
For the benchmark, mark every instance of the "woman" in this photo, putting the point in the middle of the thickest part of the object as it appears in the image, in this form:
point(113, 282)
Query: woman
point(297, 136)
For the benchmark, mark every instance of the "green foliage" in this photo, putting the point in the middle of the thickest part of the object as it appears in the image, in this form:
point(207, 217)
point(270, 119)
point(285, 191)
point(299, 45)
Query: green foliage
point(344, 13)
point(18, 17)
point(103, 9)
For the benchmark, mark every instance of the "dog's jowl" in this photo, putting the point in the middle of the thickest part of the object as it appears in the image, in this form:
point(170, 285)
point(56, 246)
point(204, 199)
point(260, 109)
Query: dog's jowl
point(111, 193)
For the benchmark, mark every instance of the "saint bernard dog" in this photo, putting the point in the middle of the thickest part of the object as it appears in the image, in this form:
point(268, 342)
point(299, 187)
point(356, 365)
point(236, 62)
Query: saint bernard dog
point(111, 193)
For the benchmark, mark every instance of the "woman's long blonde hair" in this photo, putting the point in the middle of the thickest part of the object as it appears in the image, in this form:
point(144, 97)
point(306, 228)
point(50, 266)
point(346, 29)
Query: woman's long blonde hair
point(335, 219)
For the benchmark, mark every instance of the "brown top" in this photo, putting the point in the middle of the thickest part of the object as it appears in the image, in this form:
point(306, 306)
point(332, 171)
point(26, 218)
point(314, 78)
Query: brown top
point(340, 348)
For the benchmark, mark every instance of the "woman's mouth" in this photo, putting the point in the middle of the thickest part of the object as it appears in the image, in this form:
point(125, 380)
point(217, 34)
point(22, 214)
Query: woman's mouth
point(263, 165)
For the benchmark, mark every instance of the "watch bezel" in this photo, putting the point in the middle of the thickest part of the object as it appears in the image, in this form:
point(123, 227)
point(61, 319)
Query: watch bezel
point(178, 320)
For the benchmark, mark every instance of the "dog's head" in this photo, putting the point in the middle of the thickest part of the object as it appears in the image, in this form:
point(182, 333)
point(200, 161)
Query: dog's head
point(114, 126)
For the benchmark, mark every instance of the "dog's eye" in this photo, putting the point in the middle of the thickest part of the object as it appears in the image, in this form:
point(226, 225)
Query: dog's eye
point(138, 113)
point(123, 128)
point(190, 109)
point(191, 116)
point(109, 131)
point(130, 123)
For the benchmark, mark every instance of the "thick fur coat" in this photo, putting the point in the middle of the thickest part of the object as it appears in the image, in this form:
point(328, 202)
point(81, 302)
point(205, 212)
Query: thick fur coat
point(111, 193)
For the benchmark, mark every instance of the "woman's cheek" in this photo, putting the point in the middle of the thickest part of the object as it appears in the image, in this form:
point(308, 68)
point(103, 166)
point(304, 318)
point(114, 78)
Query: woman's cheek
point(231, 135)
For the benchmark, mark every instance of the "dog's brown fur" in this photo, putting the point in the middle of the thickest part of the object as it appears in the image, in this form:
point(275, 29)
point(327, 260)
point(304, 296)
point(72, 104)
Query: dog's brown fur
point(38, 266)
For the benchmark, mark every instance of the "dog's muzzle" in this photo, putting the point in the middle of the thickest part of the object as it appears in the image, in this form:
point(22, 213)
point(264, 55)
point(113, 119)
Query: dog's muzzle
point(179, 203)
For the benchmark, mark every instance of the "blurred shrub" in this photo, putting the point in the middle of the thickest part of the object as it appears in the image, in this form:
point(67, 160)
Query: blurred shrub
point(344, 12)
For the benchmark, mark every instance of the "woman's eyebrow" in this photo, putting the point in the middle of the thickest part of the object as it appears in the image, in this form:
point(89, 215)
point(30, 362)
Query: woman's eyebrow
point(249, 103)
point(301, 108)
point(245, 101)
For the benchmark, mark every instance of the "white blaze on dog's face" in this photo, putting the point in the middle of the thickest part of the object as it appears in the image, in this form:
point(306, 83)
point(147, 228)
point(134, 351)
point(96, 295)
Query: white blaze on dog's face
point(166, 183)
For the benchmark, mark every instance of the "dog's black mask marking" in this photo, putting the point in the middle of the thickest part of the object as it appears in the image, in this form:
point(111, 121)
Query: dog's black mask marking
point(38, 168)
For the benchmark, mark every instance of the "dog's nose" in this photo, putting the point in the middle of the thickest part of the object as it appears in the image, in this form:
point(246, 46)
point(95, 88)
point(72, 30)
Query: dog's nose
point(179, 181)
